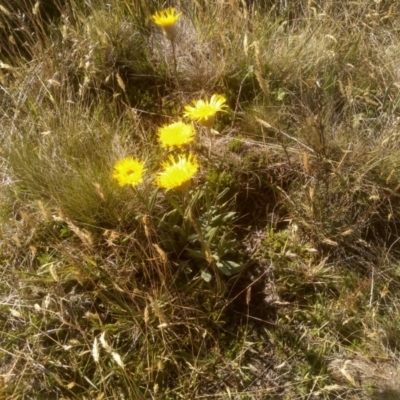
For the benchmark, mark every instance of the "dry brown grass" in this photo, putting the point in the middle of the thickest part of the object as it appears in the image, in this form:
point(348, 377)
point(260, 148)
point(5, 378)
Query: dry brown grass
point(111, 293)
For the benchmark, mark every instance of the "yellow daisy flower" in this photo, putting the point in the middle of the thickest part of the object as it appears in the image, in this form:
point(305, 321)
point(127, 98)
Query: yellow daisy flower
point(128, 171)
point(176, 134)
point(204, 111)
point(167, 20)
point(177, 172)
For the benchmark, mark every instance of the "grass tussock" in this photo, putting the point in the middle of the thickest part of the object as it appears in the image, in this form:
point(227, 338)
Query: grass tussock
point(272, 272)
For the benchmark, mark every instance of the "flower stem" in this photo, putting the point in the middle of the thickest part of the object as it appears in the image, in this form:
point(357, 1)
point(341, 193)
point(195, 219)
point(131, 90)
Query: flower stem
point(208, 130)
point(176, 68)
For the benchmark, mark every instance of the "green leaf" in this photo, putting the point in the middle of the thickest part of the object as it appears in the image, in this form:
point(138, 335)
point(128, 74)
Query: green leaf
point(229, 267)
point(222, 218)
point(223, 193)
point(174, 204)
point(211, 232)
point(205, 275)
point(280, 95)
point(196, 254)
point(152, 201)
